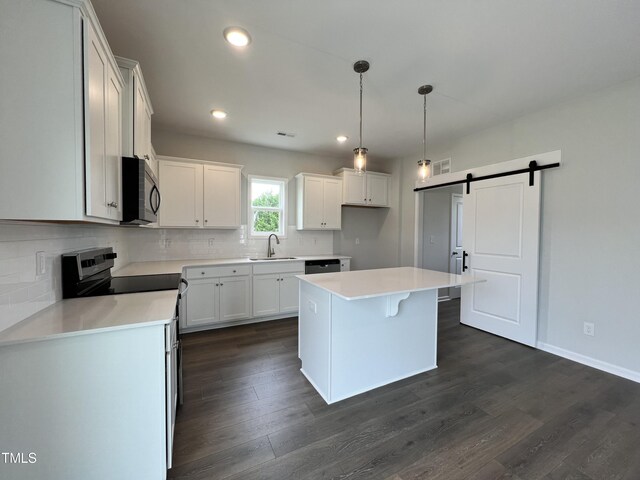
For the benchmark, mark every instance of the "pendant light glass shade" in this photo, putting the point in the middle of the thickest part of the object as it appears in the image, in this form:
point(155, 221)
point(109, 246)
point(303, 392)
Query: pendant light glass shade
point(424, 169)
point(360, 153)
point(424, 165)
point(360, 160)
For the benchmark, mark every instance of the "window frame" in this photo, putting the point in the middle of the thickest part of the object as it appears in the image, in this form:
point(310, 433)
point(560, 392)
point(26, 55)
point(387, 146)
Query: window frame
point(282, 209)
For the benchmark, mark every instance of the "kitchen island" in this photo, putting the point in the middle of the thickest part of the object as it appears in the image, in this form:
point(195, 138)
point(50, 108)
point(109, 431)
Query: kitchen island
point(363, 329)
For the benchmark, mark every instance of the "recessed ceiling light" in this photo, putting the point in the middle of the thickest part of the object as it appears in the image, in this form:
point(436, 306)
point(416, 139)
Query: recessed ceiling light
point(236, 36)
point(218, 114)
point(342, 138)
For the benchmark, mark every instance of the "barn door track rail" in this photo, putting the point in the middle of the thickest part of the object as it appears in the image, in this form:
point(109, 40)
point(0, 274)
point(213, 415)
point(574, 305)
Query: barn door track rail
point(533, 167)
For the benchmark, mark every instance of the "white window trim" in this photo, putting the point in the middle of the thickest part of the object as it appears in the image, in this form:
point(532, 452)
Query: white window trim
point(285, 200)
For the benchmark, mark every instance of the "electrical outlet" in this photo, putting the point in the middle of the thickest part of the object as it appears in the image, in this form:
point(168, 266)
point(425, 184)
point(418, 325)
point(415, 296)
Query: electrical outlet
point(432, 239)
point(589, 329)
point(357, 241)
point(212, 241)
point(41, 264)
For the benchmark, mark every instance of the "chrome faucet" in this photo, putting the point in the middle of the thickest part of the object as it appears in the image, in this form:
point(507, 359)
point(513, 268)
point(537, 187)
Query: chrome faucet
point(270, 251)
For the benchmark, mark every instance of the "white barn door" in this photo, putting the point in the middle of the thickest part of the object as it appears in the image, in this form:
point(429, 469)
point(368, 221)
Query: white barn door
point(500, 241)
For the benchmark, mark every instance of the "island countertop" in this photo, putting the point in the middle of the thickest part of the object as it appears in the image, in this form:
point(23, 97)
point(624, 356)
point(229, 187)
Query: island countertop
point(79, 316)
point(360, 284)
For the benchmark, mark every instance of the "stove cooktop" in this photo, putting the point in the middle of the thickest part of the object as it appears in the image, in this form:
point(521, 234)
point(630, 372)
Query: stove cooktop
point(137, 284)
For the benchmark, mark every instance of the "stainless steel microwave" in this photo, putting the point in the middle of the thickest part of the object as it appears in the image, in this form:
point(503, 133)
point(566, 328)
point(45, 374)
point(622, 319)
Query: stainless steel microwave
point(140, 194)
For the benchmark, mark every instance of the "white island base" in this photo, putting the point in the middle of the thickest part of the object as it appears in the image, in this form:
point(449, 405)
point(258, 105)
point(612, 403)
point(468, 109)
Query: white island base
point(364, 329)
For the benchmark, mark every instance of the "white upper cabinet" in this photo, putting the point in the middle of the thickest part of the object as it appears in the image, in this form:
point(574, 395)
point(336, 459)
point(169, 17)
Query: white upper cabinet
point(104, 145)
point(199, 195)
point(318, 202)
point(221, 196)
point(136, 104)
point(370, 189)
point(60, 132)
point(181, 190)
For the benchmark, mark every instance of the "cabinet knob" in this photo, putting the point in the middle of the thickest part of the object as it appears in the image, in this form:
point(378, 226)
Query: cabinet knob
point(206, 221)
point(197, 221)
point(234, 271)
point(369, 199)
point(202, 273)
point(221, 284)
point(146, 157)
point(112, 204)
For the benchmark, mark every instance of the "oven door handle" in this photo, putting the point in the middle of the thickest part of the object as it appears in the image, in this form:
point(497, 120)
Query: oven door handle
point(182, 292)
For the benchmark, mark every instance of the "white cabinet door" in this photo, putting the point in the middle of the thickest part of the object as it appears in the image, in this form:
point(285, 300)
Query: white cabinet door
point(97, 65)
point(354, 189)
point(332, 199)
point(377, 190)
point(221, 197)
point(265, 295)
point(202, 303)
point(181, 189)
point(234, 298)
point(345, 265)
point(113, 146)
point(142, 122)
point(288, 293)
point(313, 202)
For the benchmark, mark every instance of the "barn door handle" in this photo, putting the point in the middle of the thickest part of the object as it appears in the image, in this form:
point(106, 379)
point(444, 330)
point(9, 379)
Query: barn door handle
point(464, 260)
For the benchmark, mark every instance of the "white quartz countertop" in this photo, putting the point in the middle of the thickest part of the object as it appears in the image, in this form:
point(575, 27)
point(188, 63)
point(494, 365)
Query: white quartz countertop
point(384, 281)
point(79, 316)
point(176, 266)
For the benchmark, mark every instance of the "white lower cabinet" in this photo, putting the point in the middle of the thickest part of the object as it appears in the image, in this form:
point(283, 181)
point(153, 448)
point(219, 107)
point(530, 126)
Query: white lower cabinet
point(275, 293)
point(217, 300)
point(289, 294)
point(275, 288)
point(345, 265)
point(203, 302)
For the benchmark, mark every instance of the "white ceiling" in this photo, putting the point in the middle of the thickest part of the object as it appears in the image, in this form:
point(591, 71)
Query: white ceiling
point(488, 60)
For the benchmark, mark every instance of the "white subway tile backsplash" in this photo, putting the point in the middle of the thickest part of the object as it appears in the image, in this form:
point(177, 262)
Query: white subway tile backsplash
point(23, 292)
point(178, 244)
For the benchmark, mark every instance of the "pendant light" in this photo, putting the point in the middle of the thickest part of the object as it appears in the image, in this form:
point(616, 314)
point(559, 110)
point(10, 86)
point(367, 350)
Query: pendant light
point(360, 153)
point(424, 165)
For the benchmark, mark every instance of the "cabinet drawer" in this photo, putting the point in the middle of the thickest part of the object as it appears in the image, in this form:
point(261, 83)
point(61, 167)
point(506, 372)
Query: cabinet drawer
point(217, 271)
point(278, 267)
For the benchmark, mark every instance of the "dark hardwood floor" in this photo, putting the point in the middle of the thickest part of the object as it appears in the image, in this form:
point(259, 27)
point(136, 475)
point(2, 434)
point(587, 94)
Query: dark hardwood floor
point(493, 409)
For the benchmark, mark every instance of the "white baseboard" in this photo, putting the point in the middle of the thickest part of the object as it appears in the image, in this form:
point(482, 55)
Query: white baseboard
point(590, 362)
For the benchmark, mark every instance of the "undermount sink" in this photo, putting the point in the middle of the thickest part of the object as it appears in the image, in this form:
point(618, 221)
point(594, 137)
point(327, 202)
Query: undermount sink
point(259, 259)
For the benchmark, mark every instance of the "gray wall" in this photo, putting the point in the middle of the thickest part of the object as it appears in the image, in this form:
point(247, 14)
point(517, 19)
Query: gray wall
point(376, 228)
point(590, 229)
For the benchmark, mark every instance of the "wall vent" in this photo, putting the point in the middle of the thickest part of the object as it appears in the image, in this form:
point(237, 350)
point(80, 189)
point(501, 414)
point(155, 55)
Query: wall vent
point(440, 167)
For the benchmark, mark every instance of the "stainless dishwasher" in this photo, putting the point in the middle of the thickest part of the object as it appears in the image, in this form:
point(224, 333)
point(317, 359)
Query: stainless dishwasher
point(321, 266)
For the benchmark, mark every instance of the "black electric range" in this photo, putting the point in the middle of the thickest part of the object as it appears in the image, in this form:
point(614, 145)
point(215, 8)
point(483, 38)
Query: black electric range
point(87, 273)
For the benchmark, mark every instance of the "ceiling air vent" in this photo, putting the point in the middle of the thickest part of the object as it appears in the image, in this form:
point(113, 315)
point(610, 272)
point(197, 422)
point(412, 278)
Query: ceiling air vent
point(286, 134)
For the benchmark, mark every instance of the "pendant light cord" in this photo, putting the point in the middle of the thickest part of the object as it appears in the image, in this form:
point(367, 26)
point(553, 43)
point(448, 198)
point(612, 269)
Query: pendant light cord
point(360, 111)
point(424, 132)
